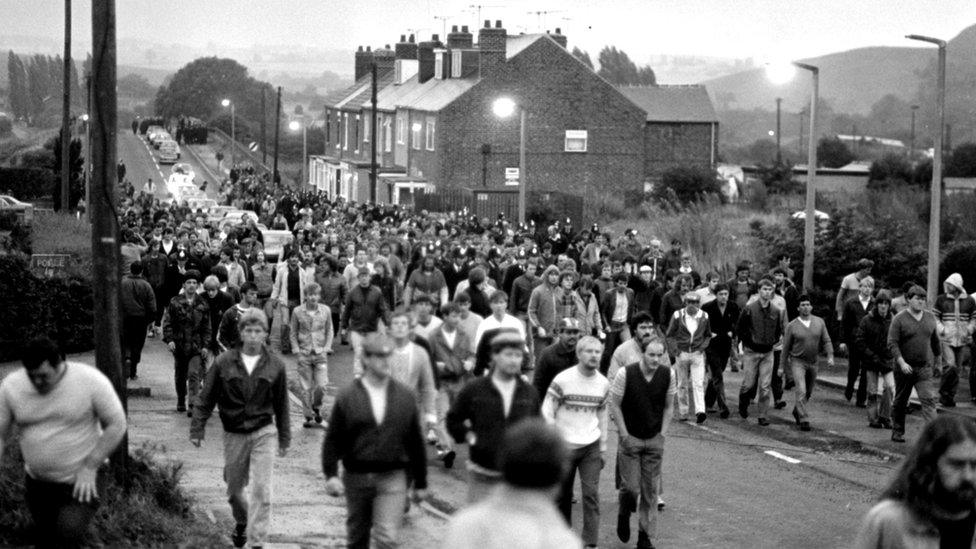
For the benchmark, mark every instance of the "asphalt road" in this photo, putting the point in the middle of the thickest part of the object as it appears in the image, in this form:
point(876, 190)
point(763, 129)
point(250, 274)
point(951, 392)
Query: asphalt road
point(141, 163)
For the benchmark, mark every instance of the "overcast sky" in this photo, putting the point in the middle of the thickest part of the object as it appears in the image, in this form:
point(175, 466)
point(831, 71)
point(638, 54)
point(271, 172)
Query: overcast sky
point(762, 29)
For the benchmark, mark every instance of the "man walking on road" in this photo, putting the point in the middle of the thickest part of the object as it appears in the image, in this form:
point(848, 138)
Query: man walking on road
point(375, 430)
point(361, 315)
point(632, 350)
point(520, 514)
point(453, 361)
point(913, 340)
point(576, 403)
point(760, 328)
point(70, 420)
point(557, 357)
point(854, 310)
point(186, 330)
point(723, 315)
point(932, 500)
point(228, 336)
point(138, 311)
point(487, 406)
point(954, 310)
point(311, 337)
point(806, 337)
point(642, 405)
point(249, 387)
point(687, 337)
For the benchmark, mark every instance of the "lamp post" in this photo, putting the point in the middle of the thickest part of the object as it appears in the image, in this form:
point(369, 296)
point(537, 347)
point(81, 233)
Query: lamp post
point(935, 211)
point(294, 126)
point(808, 225)
point(911, 147)
point(233, 132)
point(504, 107)
point(779, 151)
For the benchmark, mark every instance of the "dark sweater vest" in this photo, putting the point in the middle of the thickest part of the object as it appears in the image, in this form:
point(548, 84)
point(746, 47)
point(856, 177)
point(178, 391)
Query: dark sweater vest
point(644, 401)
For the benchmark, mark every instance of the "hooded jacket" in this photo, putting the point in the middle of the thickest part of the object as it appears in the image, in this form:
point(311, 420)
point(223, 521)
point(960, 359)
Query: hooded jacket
point(543, 303)
point(955, 315)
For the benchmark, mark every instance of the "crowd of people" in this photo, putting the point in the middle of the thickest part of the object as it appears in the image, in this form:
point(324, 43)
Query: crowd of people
point(484, 332)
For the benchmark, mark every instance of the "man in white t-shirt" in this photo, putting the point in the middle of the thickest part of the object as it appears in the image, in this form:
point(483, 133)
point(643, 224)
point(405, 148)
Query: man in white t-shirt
point(70, 420)
point(499, 317)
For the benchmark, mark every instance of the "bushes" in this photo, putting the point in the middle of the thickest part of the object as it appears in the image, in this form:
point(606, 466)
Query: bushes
point(685, 184)
point(152, 511)
point(960, 258)
point(891, 169)
point(26, 183)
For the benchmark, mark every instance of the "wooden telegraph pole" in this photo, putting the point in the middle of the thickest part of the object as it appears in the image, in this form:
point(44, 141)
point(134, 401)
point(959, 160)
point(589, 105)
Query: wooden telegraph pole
point(274, 171)
point(374, 140)
point(66, 110)
point(104, 219)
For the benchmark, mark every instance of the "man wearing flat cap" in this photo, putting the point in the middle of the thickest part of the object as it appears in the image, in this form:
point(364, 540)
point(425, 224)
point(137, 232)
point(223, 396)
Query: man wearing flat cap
point(186, 331)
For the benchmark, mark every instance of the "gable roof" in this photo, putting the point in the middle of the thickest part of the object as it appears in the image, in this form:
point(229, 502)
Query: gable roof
point(672, 103)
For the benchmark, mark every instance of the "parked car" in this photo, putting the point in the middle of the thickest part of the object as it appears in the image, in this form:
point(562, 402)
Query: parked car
point(169, 152)
point(23, 210)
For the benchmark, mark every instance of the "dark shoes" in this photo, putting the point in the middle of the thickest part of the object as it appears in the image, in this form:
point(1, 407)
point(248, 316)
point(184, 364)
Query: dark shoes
point(763, 422)
point(309, 423)
point(700, 417)
point(875, 425)
point(448, 458)
point(743, 412)
point(181, 407)
point(643, 541)
point(804, 425)
point(189, 411)
point(885, 422)
point(789, 385)
point(318, 416)
point(239, 537)
point(780, 404)
point(623, 526)
point(947, 403)
point(897, 437)
point(724, 414)
point(796, 416)
point(848, 394)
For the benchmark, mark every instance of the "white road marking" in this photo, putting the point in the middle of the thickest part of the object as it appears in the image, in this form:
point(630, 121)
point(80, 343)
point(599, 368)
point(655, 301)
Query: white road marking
point(153, 158)
point(785, 458)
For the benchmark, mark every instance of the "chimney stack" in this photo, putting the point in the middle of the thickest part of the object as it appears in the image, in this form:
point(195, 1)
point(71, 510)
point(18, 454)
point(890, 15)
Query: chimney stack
point(559, 37)
point(460, 40)
point(364, 58)
point(426, 59)
point(385, 59)
point(492, 44)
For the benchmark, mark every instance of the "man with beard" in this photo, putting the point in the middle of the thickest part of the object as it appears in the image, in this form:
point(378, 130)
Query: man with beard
point(558, 356)
point(932, 500)
point(428, 280)
point(632, 350)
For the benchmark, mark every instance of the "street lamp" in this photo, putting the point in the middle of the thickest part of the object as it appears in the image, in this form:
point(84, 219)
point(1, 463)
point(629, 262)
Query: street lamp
point(780, 74)
point(935, 211)
point(233, 133)
point(294, 126)
point(504, 107)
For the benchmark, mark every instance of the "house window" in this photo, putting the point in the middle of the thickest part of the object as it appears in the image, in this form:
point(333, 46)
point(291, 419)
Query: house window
point(415, 134)
point(401, 130)
point(430, 134)
point(456, 64)
point(345, 131)
point(367, 127)
point(356, 136)
point(388, 133)
point(439, 66)
point(576, 140)
point(328, 126)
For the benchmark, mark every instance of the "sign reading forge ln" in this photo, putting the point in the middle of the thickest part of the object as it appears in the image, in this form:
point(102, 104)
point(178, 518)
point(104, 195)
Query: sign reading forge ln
point(512, 177)
point(49, 265)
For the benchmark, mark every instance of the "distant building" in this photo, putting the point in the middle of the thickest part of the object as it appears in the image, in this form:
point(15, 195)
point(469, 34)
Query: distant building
point(435, 128)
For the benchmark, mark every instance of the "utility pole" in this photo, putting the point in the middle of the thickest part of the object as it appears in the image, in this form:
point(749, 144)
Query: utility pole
point(911, 149)
point(105, 223)
point(854, 139)
point(66, 111)
point(376, 137)
point(779, 151)
point(799, 150)
point(264, 126)
point(274, 170)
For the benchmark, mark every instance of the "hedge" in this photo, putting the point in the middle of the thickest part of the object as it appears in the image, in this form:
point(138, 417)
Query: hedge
point(26, 183)
point(60, 308)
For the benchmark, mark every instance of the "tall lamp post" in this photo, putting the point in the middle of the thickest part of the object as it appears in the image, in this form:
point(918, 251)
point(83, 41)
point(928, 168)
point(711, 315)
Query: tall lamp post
point(294, 126)
point(504, 107)
point(779, 150)
point(935, 212)
point(911, 149)
point(233, 132)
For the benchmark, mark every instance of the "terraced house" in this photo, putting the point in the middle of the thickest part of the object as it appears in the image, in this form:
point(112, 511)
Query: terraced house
point(436, 130)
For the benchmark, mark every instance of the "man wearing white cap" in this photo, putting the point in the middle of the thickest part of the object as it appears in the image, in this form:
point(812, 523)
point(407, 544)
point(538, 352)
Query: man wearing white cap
point(955, 313)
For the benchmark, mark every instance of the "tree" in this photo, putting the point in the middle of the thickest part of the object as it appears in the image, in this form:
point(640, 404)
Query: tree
point(891, 169)
point(583, 56)
point(962, 161)
point(617, 68)
point(686, 184)
point(19, 99)
point(76, 187)
point(833, 153)
point(135, 85)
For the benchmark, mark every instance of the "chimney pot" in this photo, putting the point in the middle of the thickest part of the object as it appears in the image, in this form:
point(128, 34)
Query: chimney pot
point(411, 39)
point(387, 46)
point(360, 48)
point(464, 28)
point(498, 23)
point(368, 48)
point(558, 30)
point(454, 28)
point(487, 23)
point(435, 38)
point(403, 37)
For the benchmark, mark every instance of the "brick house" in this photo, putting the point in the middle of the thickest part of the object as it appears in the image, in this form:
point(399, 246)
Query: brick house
point(437, 130)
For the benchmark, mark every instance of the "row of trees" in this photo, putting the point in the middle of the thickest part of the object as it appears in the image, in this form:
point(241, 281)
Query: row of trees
point(617, 67)
point(35, 86)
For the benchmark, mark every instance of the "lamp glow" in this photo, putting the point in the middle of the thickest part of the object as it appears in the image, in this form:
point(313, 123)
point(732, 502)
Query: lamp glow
point(503, 107)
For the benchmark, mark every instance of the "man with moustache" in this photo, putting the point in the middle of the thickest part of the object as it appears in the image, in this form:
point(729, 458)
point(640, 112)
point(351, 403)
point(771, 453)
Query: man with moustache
point(558, 356)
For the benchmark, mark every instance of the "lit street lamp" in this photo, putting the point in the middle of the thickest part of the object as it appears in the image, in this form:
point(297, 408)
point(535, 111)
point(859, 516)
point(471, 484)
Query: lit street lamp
point(781, 74)
point(294, 126)
point(233, 133)
point(504, 107)
point(935, 211)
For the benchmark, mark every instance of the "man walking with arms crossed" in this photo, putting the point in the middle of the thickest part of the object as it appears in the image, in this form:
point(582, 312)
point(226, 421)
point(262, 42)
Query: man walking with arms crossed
point(642, 405)
point(913, 340)
point(576, 403)
point(248, 385)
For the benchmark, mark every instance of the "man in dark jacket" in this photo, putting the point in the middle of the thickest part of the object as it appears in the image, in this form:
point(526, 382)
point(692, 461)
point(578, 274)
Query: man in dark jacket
point(487, 406)
point(363, 310)
point(375, 430)
point(759, 329)
point(138, 311)
point(186, 330)
point(723, 316)
point(248, 385)
point(872, 346)
point(854, 310)
point(558, 356)
point(218, 302)
point(617, 309)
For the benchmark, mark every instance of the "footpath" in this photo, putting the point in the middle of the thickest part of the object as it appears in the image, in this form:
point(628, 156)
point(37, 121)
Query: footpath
point(303, 515)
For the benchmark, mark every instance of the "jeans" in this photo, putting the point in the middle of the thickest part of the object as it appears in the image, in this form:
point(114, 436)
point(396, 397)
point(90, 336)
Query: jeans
point(855, 372)
point(356, 340)
point(921, 380)
point(776, 381)
point(589, 461)
point(615, 336)
point(133, 339)
point(59, 519)
point(249, 459)
point(879, 402)
point(189, 375)
point(640, 475)
point(757, 369)
point(690, 365)
point(716, 357)
point(280, 327)
point(805, 377)
point(308, 380)
point(375, 504)
point(446, 395)
point(955, 360)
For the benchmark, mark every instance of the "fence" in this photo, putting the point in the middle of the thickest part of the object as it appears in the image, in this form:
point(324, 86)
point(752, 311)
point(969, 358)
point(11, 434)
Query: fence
point(542, 206)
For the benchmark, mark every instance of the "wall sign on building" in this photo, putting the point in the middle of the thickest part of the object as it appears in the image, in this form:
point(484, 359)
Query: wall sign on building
point(512, 177)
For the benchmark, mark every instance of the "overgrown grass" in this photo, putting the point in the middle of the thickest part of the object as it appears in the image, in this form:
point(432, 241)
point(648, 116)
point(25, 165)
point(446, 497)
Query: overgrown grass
point(155, 512)
point(56, 233)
